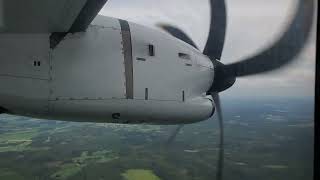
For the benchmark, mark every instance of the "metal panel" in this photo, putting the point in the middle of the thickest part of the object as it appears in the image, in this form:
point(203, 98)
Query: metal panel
point(128, 111)
point(23, 86)
point(24, 96)
point(89, 65)
point(107, 22)
point(166, 75)
point(81, 23)
point(18, 53)
point(127, 52)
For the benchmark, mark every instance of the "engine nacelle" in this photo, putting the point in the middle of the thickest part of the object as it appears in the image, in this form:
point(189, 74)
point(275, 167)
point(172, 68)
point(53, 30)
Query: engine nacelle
point(115, 72)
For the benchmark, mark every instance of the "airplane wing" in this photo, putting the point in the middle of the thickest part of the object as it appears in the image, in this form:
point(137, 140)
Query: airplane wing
point(47, 16)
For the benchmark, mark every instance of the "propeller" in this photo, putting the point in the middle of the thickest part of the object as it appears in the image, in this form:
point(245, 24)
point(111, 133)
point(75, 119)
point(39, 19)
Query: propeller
point(177, 33)
point(174, 135)
point(284, 50)
point(213, 49)
point(280, 53)
point(217, 102)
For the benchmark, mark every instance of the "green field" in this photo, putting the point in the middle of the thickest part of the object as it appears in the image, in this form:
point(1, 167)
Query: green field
point(140, 174)
point(256, 147)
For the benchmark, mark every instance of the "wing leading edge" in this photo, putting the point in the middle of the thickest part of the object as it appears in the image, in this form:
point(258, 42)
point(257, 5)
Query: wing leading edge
point(47, 16)
point(38, 16)
point(88, 12)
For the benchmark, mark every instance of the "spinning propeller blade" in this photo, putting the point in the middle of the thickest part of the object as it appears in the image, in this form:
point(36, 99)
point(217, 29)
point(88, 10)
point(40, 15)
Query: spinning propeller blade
point(281, 53)
point(177, 33)
point(173, 135)
point(217, 102)
point(217, 33)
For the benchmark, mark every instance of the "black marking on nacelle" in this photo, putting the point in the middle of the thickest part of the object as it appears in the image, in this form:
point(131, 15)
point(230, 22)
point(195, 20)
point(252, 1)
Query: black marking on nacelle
point(128, 60)
point(3, 110)
point(116, 116)
point(89, 11)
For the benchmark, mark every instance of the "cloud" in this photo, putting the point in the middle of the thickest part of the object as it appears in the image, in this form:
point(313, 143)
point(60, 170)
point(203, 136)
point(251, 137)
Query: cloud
point(252, 25)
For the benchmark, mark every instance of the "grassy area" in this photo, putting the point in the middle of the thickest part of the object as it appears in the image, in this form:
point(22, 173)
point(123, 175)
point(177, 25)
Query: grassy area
point(9, 174)
point(98, 156)
point(69, 169)
point(256, 148)
point(20, 147)
point(66, 171)
point(139, 174)
point(276, 166)
point(17, 141)
point(18, 136)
